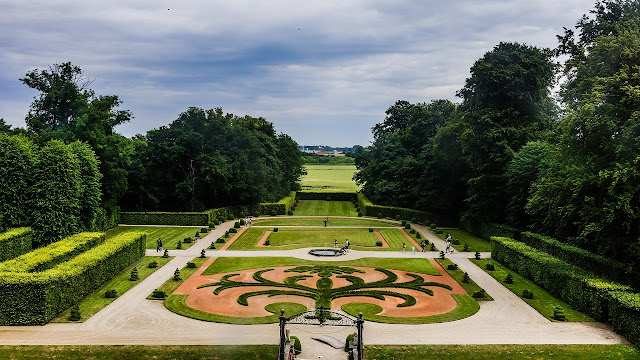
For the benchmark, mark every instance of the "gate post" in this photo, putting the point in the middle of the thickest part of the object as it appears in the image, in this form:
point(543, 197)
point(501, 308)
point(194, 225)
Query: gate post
point(283, 319)
point(359, 324)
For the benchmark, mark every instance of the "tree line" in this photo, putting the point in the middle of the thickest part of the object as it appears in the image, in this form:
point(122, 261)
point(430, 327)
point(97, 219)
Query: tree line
point(510, 153)
point(203, 159)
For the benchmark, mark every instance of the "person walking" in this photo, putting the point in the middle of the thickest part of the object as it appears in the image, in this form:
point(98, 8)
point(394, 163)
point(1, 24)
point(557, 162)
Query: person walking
point(413, 249)
point(160, 243)
point(423, 244)
point(335, 243)
point(325, 222)
point(404, 248)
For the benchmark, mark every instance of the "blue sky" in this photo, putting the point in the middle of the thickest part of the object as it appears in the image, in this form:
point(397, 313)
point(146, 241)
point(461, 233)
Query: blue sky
point(323, 72)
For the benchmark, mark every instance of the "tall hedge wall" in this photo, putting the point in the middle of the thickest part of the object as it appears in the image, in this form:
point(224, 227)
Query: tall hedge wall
point(279, 208)
point(333, 196)
point(37, 297)
point(15, 242)
point(600, 265)
point(164, 218)
point(369, 209)
point(600, 298)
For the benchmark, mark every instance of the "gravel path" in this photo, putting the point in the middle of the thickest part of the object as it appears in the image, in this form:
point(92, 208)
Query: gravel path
point(132, 319)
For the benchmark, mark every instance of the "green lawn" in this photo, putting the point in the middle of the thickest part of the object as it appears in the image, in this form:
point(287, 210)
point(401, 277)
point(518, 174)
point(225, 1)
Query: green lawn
point(295, 238)
point(269, 352)
point(502, 352)
point(475, 243)
point(169, 235)
point(329, 178)
point(225, 265)
point(542, 301)
point(95, 302)
point(319, 221)
point(325, 208)
point(471, 287)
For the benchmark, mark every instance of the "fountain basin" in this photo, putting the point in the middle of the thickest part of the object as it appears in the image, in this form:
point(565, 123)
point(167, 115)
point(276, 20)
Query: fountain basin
point(326, 252)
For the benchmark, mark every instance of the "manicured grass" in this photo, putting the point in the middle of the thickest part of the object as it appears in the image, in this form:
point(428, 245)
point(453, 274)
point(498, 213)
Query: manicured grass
point(225, 265)
point(171, 285)
point(325, 208)
point(471, 287)
point(176, 303)
point(502, 352)
point(475, 243)
point(467, 306)
point(319, 221)
point(169, 235)
point(140, 352)
point(95, 302)
point(329, 178)
point(295, 238)
point(542, 301)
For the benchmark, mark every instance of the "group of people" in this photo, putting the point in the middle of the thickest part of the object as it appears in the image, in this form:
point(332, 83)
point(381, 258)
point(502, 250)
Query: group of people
point(248, 222)
point(404, 248)
point(343, 249)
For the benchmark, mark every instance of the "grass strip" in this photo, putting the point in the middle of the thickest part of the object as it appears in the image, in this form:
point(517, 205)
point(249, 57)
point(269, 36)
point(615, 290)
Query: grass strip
point(467, 306)
point(319, 221)
point(96, 301)
point(169, 235)
point(325, 208)
point(471, 287)
point(475, 243)
point(542, 301)
point(171, 285)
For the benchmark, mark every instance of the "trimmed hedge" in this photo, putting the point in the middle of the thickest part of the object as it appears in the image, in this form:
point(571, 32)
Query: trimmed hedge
point(334, 196)
point(165, 218)
point(372, 210)
point(487, 230)
point(624, 315)
point(37, 297)
point(279, 208)
point(600, 265)
point(15, 242)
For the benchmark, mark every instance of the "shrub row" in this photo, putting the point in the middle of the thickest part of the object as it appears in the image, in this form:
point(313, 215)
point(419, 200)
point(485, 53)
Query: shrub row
point(279, 208)
point(372, 210)
point(58, 252)
point(35, 298)
point(600, 265)
point(15, 242)
point(602, 299)
point(106, 218)
point(487, 230)
point(165, 218)
point(333, 196)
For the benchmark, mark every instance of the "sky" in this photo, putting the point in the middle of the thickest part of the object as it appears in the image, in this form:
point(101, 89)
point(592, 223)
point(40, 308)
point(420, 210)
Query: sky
point(323, 72)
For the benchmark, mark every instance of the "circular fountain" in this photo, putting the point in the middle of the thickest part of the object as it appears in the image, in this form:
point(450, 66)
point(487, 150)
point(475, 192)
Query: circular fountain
point(326, 252)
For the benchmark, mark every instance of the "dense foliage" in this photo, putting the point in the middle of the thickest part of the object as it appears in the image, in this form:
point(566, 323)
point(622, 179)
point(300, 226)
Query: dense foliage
point(507, 154)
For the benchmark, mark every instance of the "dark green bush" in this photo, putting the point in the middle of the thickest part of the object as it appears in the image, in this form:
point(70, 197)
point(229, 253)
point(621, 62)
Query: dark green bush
point(433, 226)
point(164, 218)
point(241, 216)
point(508, 279)
point(153, 265)
point(230, 216)
point(134, 275)
point(480, 294)
point(441, 254)
point(527, 294)
point(191, 265)
point(176, 275)
point(379, 243)
point(359, 214)
point(204, 230)
point(398, 218)
point(477, 255)
point(418, 236)
point(407, 226)
point(237, 224)
point(297, 345)
point(187, 240)
point(453, 241)
point(179, 245)
point(370, 229)
point(379, 215)
point(220, 241)
point(213, 245)
point(403, 223)
point(465, 278)
point(111, 294)
point(267, 242)
point(558, 314)
point(412, 231)
point(290, 213)
point(452, 267)
point(414, 220)
point(75, 313)
point(348, 342)
point(202, 254)
point(275, 229)
point(233, 231)
point(489, 267)
point(440, 232)
point(433, 248)
point(158, 294)
point(226, 234)
point(465, 247)
point(166, 253)
point(197, 235)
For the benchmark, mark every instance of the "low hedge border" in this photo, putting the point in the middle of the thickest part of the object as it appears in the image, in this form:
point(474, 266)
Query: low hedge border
point(15, 242)
point(600, 265)
point(165, 218)
point(369, 209)
point(279, 208)
point(334, 196)
point(602, 299)
point(56, 253)
point(37, 297)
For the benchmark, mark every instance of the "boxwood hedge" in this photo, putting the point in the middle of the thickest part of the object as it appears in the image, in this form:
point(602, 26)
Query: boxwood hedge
point(279, 208)
point(370, 209)
point(165, 218)
point(334, 196)
point(34, 298)
point(15, 242)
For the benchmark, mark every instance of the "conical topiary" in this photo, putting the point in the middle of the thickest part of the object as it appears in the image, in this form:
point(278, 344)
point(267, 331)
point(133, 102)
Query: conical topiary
point(202, 255)
point(134, 275)
point(441, 255)
point(465, 278)
point(176, 275)
point(179, 245)
point(508, 279)
point(558, 314)
point(213, 245)
point(465, 247)
point(166, 253)
point(477, 255)
point(433, 247)
point(75, 313)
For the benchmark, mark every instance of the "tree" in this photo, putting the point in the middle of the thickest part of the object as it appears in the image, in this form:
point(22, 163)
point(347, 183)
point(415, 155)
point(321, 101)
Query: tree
point(17, 159)
point(506, 103)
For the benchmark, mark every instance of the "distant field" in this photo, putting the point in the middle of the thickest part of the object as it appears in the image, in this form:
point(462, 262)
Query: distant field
point(329, 178)
point(325, 208)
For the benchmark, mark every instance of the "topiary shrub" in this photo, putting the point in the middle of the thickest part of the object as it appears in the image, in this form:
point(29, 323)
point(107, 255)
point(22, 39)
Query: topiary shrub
point(379, 215)
point(403, 223)
point(158, 294)
point(111, 294)
point(414, 220)
point(226, 234)
point(267, 242)
point(197, 235)
point(441, 254)
point(213, 245)
point(379, 243)
point(466, 279)
point(348, 342)
point(236, 225)
point(202, 254)
point(426, 222)
point(527, 294)
point(191, 265)
point(477, 255)
point(220, 241)
point(204, 230)
point(240, 223)
point(508, 279)
point(166, 254)
point(241, 215)
point(370, 229)
point(222, 219)
point(134, 275)
point(176, 275)
point(433, 248)
point(187, 240)
point(275, 229)
point(452, 267)
point(328, 198)
point(433, 226)
point(558, 314)
point(465, 247)
point(412, 231)
point(297, 345)
point(179, 245)
point(233, 231)
point(360, 214)
point(230, 216)
point(273, 213)
point(454, 241)
point(398, 217)
point(418, 236)
point(440, 232)
point(480, 294)
point(489, 267)
point(153, 264)
point(75, 313)
point(289, 212)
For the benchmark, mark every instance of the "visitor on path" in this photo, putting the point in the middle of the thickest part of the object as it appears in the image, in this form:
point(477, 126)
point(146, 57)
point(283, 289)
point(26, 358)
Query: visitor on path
point(404, 248)
point(160, 244)
point(423, 244)
point(413, 249)
point(346, 245)
point(325, 222)
point(448, 245)
point(250, 222)
point(335, 243)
